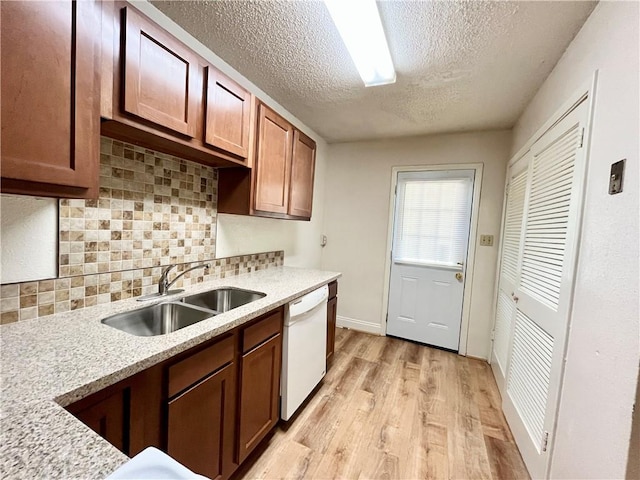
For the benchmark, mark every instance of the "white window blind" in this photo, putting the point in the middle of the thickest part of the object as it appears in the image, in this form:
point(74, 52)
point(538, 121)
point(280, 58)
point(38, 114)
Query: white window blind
point(432, 219)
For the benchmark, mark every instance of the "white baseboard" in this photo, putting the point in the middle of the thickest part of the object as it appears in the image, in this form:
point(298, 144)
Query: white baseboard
point(362, 326)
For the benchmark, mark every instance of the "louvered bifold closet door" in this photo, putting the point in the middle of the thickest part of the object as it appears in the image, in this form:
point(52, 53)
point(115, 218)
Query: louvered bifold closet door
point(509, 266)
point(543, 294)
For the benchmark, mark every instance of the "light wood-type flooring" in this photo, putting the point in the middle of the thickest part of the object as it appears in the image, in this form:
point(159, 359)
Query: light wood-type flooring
point(393, 409)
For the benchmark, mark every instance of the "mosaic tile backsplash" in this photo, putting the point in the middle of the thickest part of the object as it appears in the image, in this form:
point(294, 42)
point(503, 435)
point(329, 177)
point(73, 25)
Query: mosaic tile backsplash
point(24, 301)
point(153, 210)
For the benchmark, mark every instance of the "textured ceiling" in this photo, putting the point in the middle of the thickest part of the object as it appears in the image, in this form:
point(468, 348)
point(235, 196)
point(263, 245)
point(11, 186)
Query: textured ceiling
point(463, 65)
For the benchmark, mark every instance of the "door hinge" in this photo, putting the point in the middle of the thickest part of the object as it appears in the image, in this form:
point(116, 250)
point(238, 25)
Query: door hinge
point(493, 334)
point(545, 441)
point(396, 190)
point(581, 140)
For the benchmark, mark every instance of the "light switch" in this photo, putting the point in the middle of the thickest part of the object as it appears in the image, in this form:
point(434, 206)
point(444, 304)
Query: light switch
point(615, 177)
point(486, 240)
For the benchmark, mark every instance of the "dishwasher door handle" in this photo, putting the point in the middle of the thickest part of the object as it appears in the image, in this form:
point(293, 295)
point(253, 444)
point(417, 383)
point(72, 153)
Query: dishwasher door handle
point(309, 301)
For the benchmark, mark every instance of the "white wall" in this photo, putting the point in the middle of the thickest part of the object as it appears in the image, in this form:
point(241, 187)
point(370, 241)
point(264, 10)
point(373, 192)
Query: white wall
point(357, 193)
point(594, 420)
point(28, 238)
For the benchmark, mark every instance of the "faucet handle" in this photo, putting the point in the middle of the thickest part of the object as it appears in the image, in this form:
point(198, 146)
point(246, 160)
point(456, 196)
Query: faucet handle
point(163, 283)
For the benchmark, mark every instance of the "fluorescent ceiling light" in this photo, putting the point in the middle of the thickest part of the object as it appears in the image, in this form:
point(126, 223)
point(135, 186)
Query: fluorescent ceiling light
point(359, 25)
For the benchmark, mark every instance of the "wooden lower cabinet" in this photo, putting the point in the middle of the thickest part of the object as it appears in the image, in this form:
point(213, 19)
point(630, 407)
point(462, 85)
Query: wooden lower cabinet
point(107, 419)
point(259, 394)
point(332, 306)
point(332, 314)
point(208, 407)
point(121, 414)
point(201, 425)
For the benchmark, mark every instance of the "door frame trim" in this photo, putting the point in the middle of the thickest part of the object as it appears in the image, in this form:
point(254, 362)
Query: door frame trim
point(471, 247)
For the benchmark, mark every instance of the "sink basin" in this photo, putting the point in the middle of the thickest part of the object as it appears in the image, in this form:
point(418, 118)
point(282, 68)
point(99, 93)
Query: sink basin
point(157, 319)
point(223, 299)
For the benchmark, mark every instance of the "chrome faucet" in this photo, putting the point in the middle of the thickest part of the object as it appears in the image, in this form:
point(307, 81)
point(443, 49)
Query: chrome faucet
point(164, 284)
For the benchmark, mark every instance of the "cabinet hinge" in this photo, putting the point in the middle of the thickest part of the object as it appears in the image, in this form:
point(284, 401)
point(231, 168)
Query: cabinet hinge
point(545, 441)
point(581, 141)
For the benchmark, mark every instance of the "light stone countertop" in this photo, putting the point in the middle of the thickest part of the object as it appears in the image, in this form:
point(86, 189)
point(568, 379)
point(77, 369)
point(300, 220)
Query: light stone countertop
point(50, 362)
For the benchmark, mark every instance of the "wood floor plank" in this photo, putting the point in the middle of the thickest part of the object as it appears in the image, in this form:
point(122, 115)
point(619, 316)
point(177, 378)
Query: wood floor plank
point(325, 418)
point(342, 456)
point(489, 402)
point(505, 459)
point(393, 409)
point(427, 453)
point(467, 452)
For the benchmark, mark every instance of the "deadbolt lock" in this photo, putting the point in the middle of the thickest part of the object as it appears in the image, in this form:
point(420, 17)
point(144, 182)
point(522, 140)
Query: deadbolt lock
point(459, 276)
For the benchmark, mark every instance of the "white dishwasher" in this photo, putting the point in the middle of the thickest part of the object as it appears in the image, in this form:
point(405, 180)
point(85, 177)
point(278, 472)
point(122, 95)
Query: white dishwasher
point(304, 349)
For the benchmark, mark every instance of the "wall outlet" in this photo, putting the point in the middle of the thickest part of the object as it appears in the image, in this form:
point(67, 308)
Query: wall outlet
point(486, 240)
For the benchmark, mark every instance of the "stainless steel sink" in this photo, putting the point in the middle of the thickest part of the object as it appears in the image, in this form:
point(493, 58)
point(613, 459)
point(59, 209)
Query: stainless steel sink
point(157, 319)
point(223, 299)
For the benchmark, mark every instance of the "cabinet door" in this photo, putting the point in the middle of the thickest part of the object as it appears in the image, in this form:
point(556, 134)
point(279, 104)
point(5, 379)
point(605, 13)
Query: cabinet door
point(126, 414)
point(200, 430)
point(302, 170)
point(259, 394)
point(332, 308)
point(162, 79)
point(228, 114)
point(50, 98)
point(107, 419)
point(273, 165)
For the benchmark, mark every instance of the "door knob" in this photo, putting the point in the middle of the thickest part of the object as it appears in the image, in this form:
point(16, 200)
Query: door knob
point(459, 276)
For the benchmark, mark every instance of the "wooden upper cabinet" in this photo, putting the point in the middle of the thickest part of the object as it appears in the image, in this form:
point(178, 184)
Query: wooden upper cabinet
point(162, 77)
point(50, 98)
point(228, 114)
point(273, 162)
point(302, 171)
point(280, 184)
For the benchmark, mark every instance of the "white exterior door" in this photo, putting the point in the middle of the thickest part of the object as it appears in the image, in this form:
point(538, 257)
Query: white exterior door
point(509, 266)
point(430, 239)
point(543, 293)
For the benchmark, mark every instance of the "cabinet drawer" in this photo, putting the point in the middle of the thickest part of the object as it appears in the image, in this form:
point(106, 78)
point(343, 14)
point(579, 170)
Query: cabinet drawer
point(262, 330)
point(333, 289)
point(188, 371)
